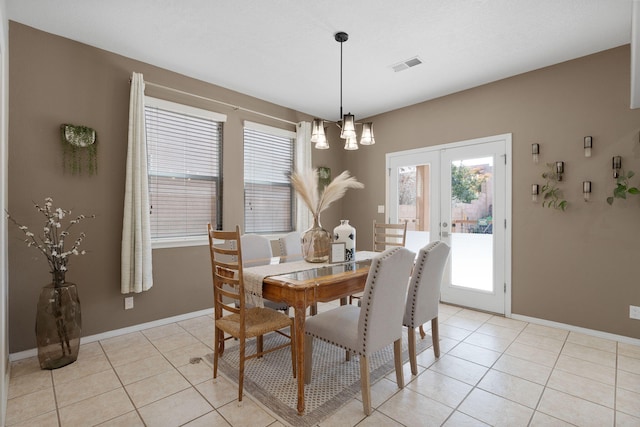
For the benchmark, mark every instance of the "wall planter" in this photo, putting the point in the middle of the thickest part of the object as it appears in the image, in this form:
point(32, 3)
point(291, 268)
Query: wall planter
point(551, 193)
point(80, 149)
point(622, 187)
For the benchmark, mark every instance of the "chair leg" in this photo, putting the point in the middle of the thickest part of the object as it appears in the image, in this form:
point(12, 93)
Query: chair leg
point(397, 356)
point(293, 350)
point(308, 353)
point(435, 336)
point(216, 350)
point(412, 351)
point(259, 345)
point(241, 369)
point(219, 342)
point(422, 333)
point(365, 384)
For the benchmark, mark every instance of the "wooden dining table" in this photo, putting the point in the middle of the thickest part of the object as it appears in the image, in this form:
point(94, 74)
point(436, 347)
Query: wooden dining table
point(302, 289)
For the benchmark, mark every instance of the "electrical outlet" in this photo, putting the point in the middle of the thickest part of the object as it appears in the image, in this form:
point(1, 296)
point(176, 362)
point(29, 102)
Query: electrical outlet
point(380, 208)
point(634, 312)
point(128, 303)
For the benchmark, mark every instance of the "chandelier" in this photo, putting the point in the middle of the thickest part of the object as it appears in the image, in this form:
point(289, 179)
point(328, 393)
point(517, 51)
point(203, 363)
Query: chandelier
point(348, 124)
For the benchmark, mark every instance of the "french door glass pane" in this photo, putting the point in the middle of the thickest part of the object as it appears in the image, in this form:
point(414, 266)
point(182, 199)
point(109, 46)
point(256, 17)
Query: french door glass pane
point(472, 223)
point(414, 205)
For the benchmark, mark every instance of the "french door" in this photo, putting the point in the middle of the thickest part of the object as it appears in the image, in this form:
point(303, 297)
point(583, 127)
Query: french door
point(459, 193)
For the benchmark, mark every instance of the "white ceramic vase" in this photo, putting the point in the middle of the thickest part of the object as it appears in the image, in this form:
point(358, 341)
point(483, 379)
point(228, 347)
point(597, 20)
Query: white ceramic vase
point(345, 233)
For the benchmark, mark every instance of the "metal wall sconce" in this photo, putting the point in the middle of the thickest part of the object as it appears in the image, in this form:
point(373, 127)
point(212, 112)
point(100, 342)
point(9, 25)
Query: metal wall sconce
point(586, 190)
point(559, 170)
point(588, 144)
point(616, 165)
point(535, 152)
point(535, 190)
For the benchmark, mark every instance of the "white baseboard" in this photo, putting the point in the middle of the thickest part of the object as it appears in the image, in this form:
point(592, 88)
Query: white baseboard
point(117, 332)
point(591, 332)
point(142, 326)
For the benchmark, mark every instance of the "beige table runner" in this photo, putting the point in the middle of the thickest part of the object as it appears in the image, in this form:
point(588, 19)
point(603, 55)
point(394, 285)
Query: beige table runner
point(254, 276)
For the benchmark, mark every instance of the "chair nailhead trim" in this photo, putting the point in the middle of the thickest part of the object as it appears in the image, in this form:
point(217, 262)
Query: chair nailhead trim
point(417, 281)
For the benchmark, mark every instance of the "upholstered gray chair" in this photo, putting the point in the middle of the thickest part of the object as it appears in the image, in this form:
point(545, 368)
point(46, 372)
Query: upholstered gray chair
point(424, 295)
point(256, 250)
point(290, 247)
point(291, 250)
point(385, 236)
point(378, 323)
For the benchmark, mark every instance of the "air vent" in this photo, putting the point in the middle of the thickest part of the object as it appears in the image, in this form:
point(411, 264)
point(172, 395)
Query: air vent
point(406, 64)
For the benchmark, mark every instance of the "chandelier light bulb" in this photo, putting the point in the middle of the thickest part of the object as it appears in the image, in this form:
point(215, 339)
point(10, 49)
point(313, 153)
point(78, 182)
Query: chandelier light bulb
point(348, 127)
point(321, 143)
point(367, 134)
point(351, 144)
point(317, 130)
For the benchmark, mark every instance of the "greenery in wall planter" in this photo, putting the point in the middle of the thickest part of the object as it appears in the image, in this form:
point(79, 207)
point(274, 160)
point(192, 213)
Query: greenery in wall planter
point(551, 193)
point(80, 148)
point(622, 187)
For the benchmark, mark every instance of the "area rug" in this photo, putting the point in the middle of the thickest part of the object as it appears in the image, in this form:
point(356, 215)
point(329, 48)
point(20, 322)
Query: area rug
point(334, 381)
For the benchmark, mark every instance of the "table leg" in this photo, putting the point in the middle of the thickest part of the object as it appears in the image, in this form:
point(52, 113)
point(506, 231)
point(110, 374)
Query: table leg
point(300, 310)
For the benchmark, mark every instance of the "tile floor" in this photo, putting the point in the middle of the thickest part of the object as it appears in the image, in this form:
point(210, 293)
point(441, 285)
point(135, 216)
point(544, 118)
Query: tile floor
point(492, 371)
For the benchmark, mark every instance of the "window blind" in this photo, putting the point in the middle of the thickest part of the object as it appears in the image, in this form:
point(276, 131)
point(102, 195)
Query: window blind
point(268, 195)
point(184, 157)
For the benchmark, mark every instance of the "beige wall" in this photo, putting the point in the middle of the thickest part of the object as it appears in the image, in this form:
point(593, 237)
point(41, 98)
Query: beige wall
point(53, 81)
point(574, 267)
point(578, 267)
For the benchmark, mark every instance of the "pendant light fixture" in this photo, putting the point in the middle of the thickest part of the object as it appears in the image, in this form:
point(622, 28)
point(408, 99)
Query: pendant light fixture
point(347, 124)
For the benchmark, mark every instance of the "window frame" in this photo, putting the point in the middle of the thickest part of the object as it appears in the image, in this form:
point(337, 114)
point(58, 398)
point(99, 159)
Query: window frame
point(295, 146)
point(199, 240)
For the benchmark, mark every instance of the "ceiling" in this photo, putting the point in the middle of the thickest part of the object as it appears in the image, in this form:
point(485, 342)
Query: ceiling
point(283, 51)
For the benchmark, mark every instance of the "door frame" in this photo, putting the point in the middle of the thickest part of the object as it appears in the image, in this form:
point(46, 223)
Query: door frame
point(507, 139)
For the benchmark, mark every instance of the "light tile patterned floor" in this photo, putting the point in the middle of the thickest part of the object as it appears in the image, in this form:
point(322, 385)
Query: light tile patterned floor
point(492, 371)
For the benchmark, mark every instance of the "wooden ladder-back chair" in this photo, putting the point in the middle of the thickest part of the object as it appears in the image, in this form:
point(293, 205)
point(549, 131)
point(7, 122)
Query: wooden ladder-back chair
point(385, 236)
point(241, 322)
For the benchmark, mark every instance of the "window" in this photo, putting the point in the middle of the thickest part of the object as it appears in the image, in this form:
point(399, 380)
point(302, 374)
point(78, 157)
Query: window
point(268, 195)
point(184, 147)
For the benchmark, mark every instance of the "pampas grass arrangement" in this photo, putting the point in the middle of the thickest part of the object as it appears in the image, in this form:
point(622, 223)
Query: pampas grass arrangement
point(316, 241)
point(306, 185)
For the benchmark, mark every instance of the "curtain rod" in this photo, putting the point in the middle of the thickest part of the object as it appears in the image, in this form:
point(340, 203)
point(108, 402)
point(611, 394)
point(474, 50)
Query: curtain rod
point(235, 107)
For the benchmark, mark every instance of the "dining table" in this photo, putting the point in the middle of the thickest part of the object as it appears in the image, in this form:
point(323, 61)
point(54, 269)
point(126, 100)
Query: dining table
point(303, 284)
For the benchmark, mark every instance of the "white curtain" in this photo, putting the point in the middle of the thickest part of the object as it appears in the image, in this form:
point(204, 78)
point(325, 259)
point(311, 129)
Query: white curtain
point(304, 219)
point(136, 266)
